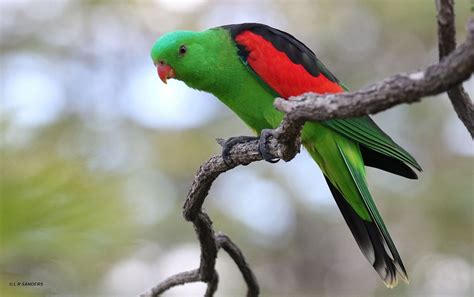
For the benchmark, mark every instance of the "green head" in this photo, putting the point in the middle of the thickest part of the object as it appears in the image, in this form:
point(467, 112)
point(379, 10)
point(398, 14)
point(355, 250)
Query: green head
point(196, 58)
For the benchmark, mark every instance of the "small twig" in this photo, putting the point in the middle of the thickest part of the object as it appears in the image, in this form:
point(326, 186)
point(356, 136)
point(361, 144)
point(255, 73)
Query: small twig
point(446, 44)
point(203, 227)
point(234, 252)
point(182, 278)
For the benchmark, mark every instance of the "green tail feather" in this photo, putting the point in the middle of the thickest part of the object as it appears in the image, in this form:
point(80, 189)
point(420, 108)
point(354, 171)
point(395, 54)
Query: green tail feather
point(388, 274)
point(341, 162)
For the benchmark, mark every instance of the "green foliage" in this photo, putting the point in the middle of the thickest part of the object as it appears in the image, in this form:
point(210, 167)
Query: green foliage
point(58, 216)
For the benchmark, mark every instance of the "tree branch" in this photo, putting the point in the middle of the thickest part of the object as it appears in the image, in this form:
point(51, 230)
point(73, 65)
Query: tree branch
point(447, 43)
point(235, 253)
point(401, 88)
point(172, 281)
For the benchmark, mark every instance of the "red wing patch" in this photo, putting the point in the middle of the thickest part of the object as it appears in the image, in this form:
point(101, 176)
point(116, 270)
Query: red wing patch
point(279, 72)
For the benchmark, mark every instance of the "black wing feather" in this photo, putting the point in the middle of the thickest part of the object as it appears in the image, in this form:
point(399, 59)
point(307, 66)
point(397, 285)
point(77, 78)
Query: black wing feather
point(383, 162)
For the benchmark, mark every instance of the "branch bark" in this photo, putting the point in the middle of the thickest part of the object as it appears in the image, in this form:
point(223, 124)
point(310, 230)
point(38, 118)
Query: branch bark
point(451, 71)
point(447, 43)
point(234, 252)
point(400, 88)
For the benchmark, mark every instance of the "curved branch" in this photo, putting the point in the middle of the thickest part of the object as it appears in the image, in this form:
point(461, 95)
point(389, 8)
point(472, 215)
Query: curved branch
point(182, 278)
point(239, 259)
point(286, 146)
point(173, 281)
point(446, 44)
point(203, 228)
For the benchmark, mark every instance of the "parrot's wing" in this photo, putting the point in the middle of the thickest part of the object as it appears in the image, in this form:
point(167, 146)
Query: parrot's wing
point(366, 132)
point(289, 68)
point(281, 61)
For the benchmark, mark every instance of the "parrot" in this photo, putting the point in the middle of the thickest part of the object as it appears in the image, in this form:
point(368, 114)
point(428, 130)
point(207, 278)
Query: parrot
point(246, 66)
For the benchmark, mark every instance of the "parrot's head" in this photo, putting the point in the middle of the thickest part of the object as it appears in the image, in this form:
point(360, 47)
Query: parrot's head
point(192, 57)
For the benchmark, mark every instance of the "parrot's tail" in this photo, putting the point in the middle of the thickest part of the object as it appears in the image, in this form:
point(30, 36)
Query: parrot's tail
point(342, 163)
point(371, 242)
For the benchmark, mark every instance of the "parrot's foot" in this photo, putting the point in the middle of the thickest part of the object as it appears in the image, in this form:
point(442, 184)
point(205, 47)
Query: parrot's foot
point(262, 146)
point(230, 143)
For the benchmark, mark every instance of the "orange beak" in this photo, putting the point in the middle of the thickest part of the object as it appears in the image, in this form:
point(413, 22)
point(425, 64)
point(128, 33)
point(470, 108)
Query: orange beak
point(165, 71)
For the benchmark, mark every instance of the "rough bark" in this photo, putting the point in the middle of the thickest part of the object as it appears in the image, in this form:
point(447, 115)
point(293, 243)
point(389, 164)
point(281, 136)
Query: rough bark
point(446, 44)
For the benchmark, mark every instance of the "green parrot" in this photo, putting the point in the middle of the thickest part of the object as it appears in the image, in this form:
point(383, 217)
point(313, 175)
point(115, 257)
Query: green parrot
point(247, 66)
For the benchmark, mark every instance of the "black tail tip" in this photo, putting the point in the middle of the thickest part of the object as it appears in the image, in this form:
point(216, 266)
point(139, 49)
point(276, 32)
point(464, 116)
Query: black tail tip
point(392, 273)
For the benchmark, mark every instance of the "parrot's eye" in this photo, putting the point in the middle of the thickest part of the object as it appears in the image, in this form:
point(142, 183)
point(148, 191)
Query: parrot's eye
point(182, 50)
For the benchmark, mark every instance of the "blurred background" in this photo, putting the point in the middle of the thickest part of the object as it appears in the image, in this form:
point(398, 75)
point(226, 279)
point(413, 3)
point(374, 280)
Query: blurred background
point(97, 155)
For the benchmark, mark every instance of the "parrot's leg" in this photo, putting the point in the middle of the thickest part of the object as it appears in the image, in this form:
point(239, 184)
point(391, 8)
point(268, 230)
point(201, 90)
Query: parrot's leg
point(262, 146)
